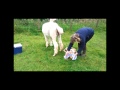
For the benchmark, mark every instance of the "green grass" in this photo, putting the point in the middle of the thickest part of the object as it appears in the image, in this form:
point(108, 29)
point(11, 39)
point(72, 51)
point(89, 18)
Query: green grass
point(36, 57)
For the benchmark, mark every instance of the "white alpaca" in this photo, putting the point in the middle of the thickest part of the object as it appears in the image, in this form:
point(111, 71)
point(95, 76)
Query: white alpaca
point(51, 32)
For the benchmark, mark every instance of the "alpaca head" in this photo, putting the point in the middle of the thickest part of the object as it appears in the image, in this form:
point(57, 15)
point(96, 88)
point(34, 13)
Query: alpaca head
point(52, 20)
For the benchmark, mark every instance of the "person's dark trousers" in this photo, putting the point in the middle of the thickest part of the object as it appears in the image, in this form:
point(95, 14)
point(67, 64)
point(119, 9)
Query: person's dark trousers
point(78, 48)
point(84, 50)
point(87, 39)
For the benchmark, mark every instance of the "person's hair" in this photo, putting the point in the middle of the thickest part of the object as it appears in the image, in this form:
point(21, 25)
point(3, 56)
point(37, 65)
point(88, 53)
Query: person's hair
point(75, 38)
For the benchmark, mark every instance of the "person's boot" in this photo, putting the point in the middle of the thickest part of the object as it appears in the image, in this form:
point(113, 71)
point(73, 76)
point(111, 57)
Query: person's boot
point(79, 54)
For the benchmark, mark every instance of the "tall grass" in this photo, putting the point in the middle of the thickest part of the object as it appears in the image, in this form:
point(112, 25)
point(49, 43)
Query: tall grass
point(34, 26)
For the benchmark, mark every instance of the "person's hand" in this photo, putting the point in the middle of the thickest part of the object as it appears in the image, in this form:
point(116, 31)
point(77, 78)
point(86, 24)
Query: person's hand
point(76, 54)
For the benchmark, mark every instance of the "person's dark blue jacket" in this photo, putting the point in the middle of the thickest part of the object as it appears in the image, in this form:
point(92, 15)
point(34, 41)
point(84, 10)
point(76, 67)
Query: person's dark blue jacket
point(85, 35)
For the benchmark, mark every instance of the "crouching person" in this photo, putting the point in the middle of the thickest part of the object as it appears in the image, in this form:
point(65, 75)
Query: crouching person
point(82, 36)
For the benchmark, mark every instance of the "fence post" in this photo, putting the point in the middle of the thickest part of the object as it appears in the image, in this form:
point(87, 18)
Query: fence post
point(71, 24)
point(97, 23)
point(38, 24)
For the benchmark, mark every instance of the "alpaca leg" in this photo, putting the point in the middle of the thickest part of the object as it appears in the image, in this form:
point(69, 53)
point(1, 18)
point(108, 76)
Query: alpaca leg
point(60, 43)
point(55, 47)
point(46, 40)
point(51, 43)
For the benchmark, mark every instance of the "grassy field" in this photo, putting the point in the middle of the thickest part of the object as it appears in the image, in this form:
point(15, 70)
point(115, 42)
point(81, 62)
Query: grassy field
point(36, 57)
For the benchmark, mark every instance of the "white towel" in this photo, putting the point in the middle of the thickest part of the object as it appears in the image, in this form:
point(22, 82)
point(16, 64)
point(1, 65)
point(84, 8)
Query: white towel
point(74, 56)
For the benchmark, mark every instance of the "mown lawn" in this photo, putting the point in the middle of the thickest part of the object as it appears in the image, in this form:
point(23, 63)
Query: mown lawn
point(36, 57)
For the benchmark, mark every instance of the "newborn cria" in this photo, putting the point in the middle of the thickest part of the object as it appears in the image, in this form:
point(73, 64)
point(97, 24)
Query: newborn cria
point(72, 54)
